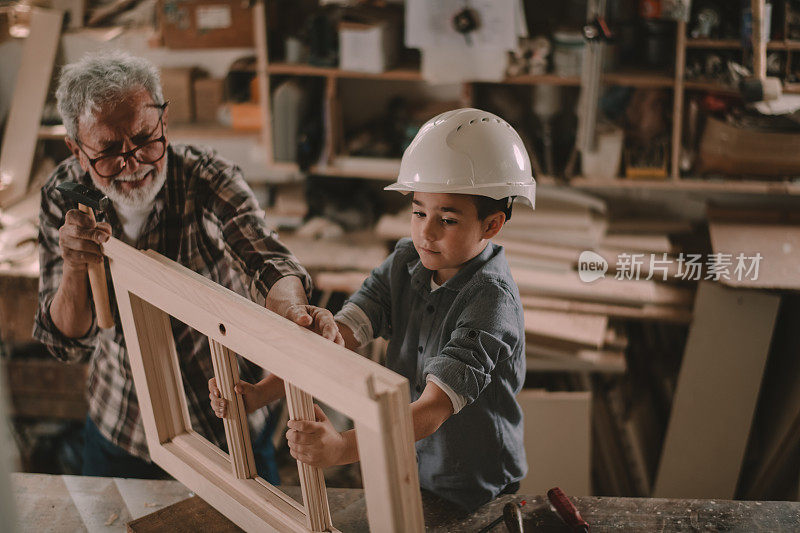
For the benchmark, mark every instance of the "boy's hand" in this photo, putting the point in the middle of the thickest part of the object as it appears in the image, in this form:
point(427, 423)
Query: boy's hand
point(315, 443)
point(219, 404)
point(317, 319)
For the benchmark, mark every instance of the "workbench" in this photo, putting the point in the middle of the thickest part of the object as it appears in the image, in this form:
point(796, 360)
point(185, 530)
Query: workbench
point(75, 503)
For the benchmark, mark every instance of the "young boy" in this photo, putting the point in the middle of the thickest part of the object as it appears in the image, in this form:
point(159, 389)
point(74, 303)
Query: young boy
point(446, 301)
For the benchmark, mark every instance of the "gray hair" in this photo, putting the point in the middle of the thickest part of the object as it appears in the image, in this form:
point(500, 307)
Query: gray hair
point(99, 78)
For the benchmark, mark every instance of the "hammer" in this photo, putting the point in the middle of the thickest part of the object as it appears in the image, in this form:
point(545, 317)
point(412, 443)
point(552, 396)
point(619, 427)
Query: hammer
point(88, 200)
point(760, 87)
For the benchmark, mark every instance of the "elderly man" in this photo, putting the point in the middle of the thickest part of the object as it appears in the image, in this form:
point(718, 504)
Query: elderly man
point(181, 201)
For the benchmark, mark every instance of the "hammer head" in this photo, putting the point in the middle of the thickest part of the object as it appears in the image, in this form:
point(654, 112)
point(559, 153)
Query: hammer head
point(84, 195)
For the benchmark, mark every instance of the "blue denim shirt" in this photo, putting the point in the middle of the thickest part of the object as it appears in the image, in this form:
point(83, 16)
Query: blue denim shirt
point(470, 334)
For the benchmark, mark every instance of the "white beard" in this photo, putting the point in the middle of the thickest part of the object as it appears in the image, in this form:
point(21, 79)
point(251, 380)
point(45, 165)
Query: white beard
point(136, 198)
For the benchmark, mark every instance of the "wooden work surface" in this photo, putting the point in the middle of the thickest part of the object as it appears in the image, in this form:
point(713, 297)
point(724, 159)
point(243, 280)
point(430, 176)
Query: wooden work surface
point(75, 503)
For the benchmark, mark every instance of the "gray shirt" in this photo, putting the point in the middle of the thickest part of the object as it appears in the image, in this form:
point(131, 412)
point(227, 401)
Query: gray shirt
point(470, 334)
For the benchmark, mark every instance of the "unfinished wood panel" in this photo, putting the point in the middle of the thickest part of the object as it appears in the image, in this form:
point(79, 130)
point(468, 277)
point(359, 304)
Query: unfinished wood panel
point(152, 288)
point(390, 477)
point(716, 394)
point(778, 244)
point(157, 376)
point(312, 482)
point(252, 504)
point(237, 432)
point(25, 113)
point(557, 441)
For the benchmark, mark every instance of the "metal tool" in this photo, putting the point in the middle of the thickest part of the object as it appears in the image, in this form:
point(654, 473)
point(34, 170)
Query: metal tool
point(568, 513)
point(89, 200)
point(512, 515)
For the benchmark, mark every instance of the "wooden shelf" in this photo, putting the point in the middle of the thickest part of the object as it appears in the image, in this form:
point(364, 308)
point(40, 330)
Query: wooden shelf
point(302, 69)
point(736, 44)
point(194, 131)
point(543, 79)
point(411, 73)
point(711, 86)
point(639, 79)
point(693, 185)
point(57, 132)
point(209, 131)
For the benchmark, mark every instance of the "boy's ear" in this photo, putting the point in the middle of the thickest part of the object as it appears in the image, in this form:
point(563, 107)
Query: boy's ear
point(493, 224)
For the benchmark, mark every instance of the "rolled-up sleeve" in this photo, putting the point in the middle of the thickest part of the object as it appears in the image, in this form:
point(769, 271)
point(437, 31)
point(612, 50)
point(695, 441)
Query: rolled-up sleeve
point(71, 350)
point(254, 247)
point(374, 297)
point(486, 334)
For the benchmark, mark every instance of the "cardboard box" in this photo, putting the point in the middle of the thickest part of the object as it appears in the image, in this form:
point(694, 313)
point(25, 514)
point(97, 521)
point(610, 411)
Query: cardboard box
point(178, 86)
point(246, 116)
point(206, 23)
point(368, 46)
point(208, 97)
point(729, 149)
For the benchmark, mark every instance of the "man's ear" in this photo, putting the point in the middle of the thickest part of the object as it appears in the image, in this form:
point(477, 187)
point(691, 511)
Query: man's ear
point(76, 151)
point(493, 224)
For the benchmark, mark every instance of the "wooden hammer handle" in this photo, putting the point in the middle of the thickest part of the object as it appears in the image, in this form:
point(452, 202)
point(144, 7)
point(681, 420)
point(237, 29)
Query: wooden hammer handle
point(759, 39)
point(97, 280)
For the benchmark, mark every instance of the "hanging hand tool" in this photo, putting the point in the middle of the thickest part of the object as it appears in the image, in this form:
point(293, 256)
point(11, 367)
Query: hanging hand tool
point(760, 87)
point(89, 200)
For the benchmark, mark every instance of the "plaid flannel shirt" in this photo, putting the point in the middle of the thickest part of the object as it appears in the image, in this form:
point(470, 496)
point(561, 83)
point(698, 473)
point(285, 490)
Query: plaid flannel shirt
point(205, 218)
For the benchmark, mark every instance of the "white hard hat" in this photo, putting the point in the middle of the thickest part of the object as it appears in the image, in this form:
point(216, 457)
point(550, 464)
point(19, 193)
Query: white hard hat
point(467, 151)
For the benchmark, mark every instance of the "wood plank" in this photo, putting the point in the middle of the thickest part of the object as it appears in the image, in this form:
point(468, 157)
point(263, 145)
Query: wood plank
point(677, 99)
point(312, 481)
point(157, 377)
point(589, 330)
point(777, 243)
point(557, 441)
point(237, 432)
point(549, 359)
point(25, 113)
point(249, 503)
point(661, 313)
point(390, 479)
point(716, 393)
point(184, 517)
point(608, 290)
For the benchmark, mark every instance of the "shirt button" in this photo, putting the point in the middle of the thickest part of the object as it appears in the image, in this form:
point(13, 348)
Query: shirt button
point(419, 349)
point(472, 334)
point(430, 309)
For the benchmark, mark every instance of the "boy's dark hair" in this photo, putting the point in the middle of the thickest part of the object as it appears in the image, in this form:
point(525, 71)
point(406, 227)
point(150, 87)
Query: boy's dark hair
point(488, 206)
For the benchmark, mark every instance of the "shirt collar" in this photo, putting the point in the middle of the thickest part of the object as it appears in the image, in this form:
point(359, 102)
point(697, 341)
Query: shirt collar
point(421, 276)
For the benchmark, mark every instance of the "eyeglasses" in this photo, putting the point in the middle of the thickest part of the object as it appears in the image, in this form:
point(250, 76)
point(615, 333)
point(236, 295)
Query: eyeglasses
point(108, 166)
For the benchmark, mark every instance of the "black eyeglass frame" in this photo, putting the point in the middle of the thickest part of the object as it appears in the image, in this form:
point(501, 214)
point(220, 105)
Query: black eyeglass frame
point(132, 152)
